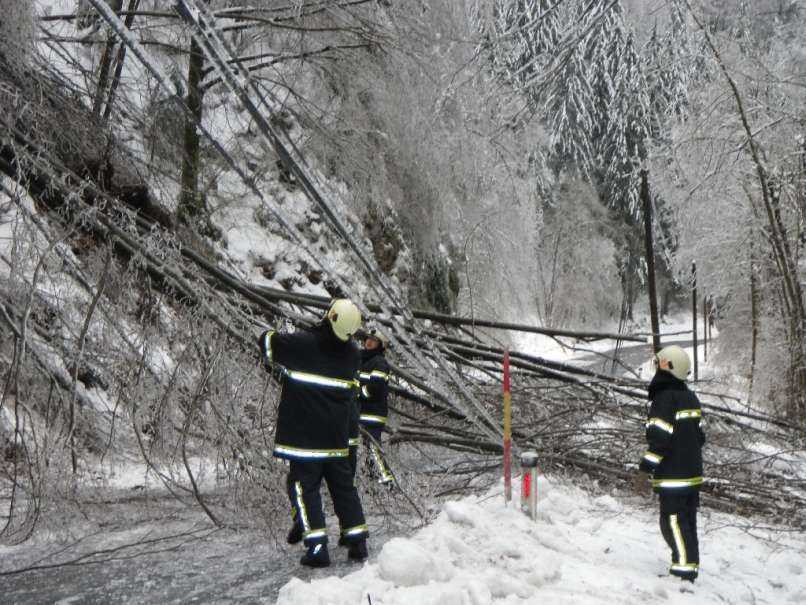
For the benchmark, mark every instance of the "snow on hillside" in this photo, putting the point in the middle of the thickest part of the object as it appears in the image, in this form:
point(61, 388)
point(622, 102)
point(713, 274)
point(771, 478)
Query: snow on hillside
point(254, 244)
point(583, 549)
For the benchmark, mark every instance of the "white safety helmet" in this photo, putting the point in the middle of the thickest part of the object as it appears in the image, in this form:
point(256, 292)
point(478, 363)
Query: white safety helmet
point(674, 360)
point(378, 335)
point(344, 318)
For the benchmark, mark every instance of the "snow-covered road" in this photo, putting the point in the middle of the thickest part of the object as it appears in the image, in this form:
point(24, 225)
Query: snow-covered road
point(163, 553)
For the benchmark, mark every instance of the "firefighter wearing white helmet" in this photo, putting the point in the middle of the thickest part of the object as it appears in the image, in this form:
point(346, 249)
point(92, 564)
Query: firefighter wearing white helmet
point(344, 318)
point(374, 409)
point(674, 360)
point(376, 334)
point(319, 389)
point(674, 458)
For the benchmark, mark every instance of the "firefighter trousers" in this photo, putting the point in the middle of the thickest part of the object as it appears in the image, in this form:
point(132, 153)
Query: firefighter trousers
point(678, 524)
point(375, 461)
point(304, 482)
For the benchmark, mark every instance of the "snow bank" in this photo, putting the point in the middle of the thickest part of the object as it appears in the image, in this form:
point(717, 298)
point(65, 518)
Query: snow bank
point(583, 549)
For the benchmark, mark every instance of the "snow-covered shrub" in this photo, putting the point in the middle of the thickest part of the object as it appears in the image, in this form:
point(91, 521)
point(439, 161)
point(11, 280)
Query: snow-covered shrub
point(576, 281)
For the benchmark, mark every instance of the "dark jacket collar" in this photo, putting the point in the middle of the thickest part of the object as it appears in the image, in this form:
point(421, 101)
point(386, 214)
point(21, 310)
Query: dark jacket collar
point(367, 354)
point(325, 331)
point(663, 381)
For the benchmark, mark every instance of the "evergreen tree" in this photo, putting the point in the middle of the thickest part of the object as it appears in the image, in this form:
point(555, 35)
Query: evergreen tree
point(581, 71)
point(671, 64)
point(578, 67)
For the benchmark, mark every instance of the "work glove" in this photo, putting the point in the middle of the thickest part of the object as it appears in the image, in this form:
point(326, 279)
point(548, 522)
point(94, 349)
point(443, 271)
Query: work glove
point(641, 484)
point(261, 343)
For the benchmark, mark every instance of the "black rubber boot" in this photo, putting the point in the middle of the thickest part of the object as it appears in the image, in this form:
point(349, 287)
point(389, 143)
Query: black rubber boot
point(357, 551)
point(317, 556)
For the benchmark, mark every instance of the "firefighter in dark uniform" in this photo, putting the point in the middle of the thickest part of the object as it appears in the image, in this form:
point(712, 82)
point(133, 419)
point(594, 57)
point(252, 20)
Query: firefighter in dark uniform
point(374, 379)
point(319, 386)
point(674, 458)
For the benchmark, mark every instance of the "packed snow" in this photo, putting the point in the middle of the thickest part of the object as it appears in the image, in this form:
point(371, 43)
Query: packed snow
point(583, 549)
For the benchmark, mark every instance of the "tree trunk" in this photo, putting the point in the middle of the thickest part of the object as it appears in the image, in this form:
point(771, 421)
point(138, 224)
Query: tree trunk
point(190, 202)
point(650, 262)
point(113, 87)
point(106, 64)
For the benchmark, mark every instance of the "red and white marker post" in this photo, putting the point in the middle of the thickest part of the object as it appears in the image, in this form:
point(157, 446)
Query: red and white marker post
point(529, 484)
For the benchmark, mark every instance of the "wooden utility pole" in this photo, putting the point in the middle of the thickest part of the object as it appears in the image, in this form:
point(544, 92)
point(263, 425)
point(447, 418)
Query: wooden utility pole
point(507, 432)
point(694, 313)
point(705, 329)
point(650, 262)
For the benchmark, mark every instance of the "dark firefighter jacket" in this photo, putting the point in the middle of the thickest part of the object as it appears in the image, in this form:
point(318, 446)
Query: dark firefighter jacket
point(674, 436)
point(374, 379)
point(318, 391)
